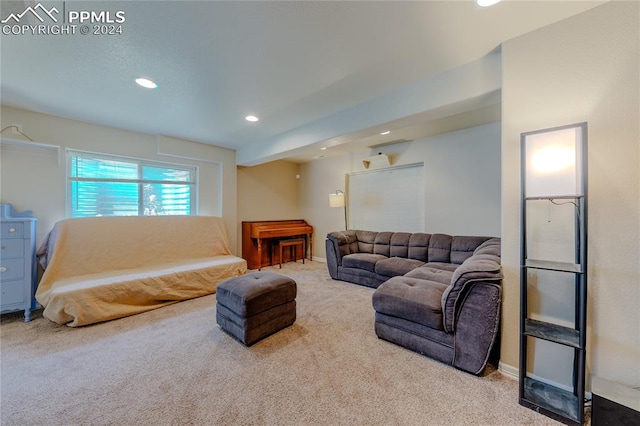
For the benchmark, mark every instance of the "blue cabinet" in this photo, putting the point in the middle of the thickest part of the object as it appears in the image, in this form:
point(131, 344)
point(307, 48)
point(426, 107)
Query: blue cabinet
point(17, 260)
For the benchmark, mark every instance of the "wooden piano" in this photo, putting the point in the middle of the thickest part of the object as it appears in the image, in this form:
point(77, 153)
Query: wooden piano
point(258, 236)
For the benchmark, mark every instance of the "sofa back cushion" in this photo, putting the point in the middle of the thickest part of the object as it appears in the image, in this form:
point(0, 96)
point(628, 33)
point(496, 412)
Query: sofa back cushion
point(419, 246)
point(400, 244)
point(491, 246)
point(344, 242)
point(440, 248)
point(382, 243)
point(366, 240)
point(463, 248)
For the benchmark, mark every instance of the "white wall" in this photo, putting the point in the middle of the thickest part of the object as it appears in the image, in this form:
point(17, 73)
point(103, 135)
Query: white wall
point(462, 178)
point(32, 179)
point(462, 183)
point(584, 68)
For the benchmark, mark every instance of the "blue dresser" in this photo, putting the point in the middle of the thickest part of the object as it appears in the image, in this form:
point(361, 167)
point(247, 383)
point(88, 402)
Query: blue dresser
point(17, 260)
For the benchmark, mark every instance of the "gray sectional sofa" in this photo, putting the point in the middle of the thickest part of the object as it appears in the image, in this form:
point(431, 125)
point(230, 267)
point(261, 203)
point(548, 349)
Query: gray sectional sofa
point(436, 294)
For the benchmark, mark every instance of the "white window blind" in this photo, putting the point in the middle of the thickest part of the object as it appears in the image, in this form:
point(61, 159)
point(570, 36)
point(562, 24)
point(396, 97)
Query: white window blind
point(390, 199)
point(104, 185)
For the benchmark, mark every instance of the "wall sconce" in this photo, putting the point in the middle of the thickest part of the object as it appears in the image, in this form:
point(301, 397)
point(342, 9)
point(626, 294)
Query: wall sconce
point(553, 161)
point(337, 199)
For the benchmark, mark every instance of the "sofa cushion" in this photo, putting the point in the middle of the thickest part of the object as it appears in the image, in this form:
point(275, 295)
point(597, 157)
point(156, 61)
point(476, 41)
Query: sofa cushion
point(440, 248)
point(463, 248)
point(443, 266)
point(400, 244)
point(491, 246)
point(482, 267)
point(366, 261)
point(344, 243)
point(352, 241)
point(396, 266)
point(366, 240)
point(419, 246)
point(382, 243)
point(431, 273)
point(411, 299)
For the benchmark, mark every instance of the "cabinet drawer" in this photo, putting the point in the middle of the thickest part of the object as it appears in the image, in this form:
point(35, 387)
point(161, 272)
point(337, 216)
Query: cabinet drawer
point(11, 292)
point(12, 230)
point(11, 269)
point(11, 248)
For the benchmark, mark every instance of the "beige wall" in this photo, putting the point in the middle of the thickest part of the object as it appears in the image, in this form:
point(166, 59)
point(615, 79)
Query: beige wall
point(32, 179)
point(267, 192)
point(584, 68)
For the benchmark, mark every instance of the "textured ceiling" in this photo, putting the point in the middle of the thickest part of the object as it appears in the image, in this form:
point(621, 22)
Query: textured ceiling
point(290, 63)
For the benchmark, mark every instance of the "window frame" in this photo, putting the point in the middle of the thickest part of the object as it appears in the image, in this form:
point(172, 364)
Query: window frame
point(140, 163)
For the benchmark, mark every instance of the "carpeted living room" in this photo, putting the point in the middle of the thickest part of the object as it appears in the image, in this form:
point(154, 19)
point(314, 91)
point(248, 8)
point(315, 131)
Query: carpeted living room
point(174, 365)
point(319, 212)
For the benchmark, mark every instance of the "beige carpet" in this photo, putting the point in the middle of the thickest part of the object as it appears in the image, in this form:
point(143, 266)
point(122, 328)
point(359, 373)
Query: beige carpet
point(174, 366)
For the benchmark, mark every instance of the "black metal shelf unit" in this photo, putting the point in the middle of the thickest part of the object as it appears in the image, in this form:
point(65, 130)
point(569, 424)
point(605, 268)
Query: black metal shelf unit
point(555, 402)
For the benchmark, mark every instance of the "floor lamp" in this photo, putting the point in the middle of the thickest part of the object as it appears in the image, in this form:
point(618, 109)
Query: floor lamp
point(554, 173)
point(336, 199)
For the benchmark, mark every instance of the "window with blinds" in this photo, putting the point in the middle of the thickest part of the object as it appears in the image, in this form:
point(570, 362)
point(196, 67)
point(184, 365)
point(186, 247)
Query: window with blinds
point(103, 185)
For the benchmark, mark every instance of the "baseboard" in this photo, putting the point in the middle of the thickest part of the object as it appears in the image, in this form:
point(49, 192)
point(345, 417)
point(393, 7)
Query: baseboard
point(509, 371)
point(319, 259)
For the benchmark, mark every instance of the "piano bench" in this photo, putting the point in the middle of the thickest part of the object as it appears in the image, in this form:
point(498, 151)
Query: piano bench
point(255, 305)
point(292, 243)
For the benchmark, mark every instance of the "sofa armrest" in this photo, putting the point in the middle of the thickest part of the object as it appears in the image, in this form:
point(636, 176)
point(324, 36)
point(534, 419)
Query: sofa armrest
point(478, 327)
point(338, 245)
point(476, 269)
point(333, 258)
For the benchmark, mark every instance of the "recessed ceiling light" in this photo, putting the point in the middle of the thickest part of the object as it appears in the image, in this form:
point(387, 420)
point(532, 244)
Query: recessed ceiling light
point(486, 3)
point(323, 148)
point(386, 132)
point(145, 82)
point(251, 118)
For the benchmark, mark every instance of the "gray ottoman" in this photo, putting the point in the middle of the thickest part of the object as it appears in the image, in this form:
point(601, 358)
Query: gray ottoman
point(253, 306)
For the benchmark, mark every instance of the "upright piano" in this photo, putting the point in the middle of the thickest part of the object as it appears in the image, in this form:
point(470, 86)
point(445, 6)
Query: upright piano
point(257, 239)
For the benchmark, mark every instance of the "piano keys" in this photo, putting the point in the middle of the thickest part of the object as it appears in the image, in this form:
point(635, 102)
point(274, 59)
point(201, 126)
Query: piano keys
point(257, 238)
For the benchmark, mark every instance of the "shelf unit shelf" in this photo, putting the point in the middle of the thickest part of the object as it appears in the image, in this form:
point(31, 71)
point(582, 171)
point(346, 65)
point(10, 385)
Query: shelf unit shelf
point(554, 197)
point(554, 266)
point(551, 400)
point(552, 332)
point(566, 406)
